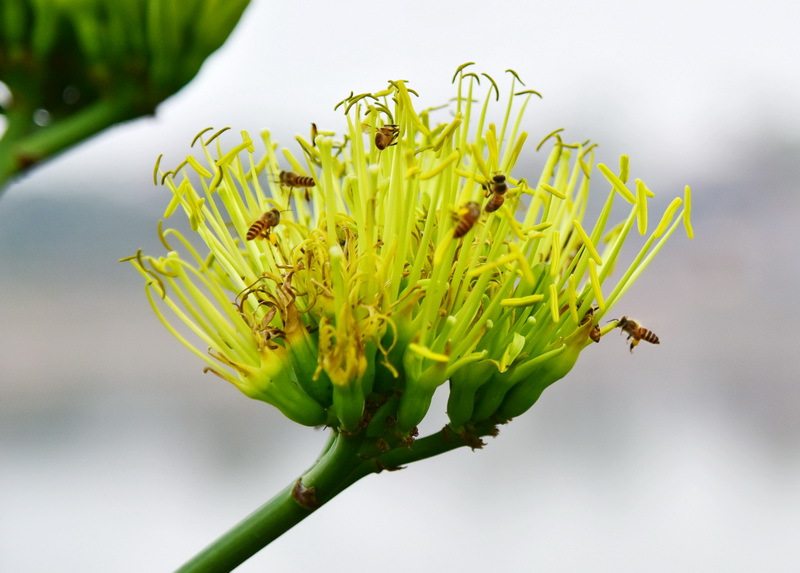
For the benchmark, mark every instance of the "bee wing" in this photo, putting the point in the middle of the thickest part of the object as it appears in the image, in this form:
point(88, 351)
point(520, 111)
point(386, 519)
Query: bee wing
point(367, 128)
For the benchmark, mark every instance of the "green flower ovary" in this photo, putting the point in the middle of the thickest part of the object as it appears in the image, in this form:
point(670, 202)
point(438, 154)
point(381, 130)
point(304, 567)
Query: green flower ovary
point(365, 289)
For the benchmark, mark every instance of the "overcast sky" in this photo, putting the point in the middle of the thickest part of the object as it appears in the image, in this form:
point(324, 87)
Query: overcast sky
point(676, 85)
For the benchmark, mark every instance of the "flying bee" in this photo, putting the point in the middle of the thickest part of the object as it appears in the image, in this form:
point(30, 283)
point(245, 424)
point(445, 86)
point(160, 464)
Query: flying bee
point(468, 215)
point(384, 136)
point(263, 225)
point(636, 332)
point(292, 180)
point(497, 189)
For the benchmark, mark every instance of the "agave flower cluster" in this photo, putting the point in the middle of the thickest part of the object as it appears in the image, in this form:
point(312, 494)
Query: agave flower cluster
point(362, 300)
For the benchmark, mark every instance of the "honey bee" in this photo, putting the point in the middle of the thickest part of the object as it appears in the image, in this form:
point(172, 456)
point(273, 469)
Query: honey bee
point(384, 136)
point(594, 333)
point(263, 224)
point(292, 180)
point(636, 332)
point(468, 215)
point(497, 189)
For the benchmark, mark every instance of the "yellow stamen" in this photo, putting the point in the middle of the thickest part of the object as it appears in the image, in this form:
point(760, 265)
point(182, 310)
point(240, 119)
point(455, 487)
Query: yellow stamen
point(572, 296)
point(555, 254)
point(666, 218)
point(595, 281)
point(491, 144)
point(552, 190)
point(624, 166)
point(587, 242)
point(500, 261)
point(245, 145)
point(522, 300)
point(452, 158)
point(641, 207)
point(687, 211)
point(527, 272)
point(617, 183)
point(446, 133)
point(426, 352)
point(554, 302)
point(199, 169)
point(512, 157)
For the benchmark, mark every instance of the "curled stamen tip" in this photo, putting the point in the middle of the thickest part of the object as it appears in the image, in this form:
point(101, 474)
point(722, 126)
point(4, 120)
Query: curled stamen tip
point(532, 92)
point(155, 168)
point(344, 101)
point(516, 75)
point(548, 136)
point(459, 69)
point(472, 75)
point(494, 86)
point(200, 134)
point(216, 135)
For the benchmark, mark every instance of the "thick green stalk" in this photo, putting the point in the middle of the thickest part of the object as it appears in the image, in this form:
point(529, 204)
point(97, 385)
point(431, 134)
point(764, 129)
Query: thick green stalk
point(20, 151)
point(341, 464)
point(327, 477)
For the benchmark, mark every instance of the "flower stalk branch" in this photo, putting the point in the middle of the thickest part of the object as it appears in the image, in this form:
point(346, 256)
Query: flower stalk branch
point(343, 462)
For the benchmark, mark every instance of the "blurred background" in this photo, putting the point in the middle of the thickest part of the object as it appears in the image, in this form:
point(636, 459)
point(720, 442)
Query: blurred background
point(118, 454)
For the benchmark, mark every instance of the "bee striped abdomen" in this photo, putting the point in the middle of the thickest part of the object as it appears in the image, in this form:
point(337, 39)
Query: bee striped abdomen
point(497, 188)
point(262, 225)
point(290, 179)
point(649, 336)
point(470, 213)
point(495, 202)
point(256, 229)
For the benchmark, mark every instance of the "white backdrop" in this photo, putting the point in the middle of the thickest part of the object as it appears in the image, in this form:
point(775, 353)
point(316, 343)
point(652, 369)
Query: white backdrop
point(117, 454)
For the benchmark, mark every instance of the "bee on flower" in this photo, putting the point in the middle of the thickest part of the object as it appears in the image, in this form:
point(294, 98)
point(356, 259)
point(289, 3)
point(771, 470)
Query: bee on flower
point(373, 298)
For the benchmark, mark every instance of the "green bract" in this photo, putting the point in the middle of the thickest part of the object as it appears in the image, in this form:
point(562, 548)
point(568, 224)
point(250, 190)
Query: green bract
point(75, 67)
point(362, 300)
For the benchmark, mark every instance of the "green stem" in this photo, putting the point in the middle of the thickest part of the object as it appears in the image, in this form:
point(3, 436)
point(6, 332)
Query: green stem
point(341, 464)
point(327, 477)
point(20, 151)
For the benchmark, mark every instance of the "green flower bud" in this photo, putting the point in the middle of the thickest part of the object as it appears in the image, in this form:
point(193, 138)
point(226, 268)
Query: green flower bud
point(75, 68)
